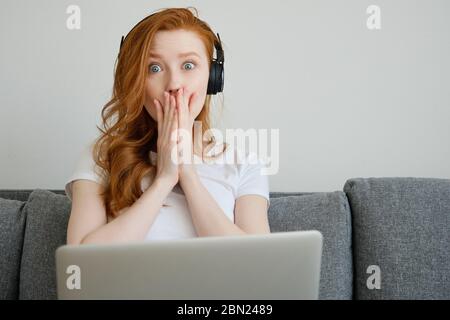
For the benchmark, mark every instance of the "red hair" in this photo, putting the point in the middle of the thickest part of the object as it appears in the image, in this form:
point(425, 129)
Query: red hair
point(122, 149)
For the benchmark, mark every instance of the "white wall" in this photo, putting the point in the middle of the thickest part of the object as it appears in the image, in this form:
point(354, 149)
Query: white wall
point(348, 101)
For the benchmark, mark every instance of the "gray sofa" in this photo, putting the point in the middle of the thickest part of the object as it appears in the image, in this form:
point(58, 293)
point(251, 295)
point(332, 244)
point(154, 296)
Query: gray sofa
point(399, 225)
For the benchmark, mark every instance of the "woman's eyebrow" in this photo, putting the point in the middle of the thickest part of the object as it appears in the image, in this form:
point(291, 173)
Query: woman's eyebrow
point(181, 55)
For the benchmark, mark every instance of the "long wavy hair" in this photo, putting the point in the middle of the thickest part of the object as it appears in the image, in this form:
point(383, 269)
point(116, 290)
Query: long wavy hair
point(129, 132)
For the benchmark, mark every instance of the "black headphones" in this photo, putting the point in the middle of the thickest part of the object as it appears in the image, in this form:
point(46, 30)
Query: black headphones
point(216, 73)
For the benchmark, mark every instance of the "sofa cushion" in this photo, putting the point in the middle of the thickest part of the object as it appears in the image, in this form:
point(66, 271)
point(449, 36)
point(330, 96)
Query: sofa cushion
point(327, 212)
point(401, 226)
point(46, 226)
point(12, 225)
point(23, 194)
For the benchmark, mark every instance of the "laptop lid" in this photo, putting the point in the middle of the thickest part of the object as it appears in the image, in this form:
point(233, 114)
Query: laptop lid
point(283, 265)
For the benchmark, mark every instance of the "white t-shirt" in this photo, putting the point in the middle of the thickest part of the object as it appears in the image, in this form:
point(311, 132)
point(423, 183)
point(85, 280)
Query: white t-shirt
point(225, 182)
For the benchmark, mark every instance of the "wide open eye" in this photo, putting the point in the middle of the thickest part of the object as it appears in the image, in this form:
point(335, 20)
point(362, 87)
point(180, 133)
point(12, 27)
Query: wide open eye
point(191, 64)
point(154, 68)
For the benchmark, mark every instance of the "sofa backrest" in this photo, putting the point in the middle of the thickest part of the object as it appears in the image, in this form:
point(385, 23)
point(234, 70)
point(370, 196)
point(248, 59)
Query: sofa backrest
point(328, 212)
point(12, 230)
point(401, 237)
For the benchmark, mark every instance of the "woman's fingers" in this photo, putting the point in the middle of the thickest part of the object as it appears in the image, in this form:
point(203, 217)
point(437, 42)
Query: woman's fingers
point(166, 98)
point(159, 116)
point(166, 108)
point(174, 128)
point(171, 113)
point(180, 101)
point(168, 117)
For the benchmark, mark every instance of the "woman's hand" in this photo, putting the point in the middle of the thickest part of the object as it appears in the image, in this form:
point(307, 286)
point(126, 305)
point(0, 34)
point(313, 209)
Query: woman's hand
point(167, 152)
point(185, 126)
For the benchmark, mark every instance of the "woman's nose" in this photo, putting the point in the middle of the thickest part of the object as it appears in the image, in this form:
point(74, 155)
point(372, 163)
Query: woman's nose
point(173, 92)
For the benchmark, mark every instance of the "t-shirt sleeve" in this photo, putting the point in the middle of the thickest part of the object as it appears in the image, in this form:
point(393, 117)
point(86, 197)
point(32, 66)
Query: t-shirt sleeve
point(252, 179)
point(85, 168)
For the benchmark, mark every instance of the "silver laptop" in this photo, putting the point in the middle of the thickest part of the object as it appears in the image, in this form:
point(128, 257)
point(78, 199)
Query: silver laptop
point(283, 265)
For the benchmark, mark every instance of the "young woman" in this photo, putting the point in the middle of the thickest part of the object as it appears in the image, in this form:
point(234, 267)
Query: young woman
point(137, 182)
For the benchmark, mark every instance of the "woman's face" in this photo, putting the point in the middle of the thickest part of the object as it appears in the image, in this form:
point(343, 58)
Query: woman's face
point(169, 69)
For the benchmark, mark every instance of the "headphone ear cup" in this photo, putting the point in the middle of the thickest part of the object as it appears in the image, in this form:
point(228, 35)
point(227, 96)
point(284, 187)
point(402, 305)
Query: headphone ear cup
point(216, 78)
point(212, 79)
point(219, 76)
